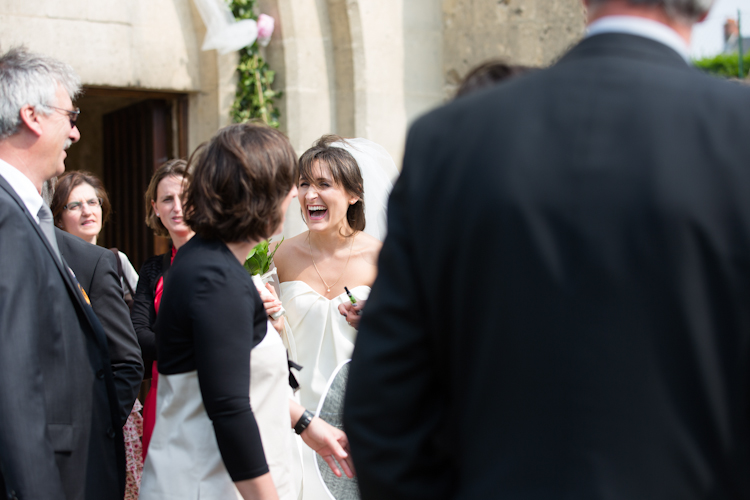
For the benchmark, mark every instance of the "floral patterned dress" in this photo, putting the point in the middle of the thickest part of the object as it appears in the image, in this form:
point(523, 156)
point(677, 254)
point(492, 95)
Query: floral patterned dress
point(132, 431)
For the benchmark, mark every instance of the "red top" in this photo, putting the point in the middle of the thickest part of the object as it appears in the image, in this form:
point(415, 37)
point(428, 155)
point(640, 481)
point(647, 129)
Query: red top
point(149, 406)
point(160, 285)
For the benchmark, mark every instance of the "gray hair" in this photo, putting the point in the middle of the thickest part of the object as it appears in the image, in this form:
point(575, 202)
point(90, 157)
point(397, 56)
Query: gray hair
point(684, 10)
point(29, 78)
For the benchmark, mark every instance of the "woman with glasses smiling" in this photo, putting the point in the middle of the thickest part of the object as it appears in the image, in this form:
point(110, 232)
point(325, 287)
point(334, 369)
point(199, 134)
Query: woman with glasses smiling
point(80, 207)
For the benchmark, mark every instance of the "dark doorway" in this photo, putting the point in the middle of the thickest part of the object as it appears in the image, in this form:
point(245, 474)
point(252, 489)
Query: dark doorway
point(126, 135)
point(136, 141)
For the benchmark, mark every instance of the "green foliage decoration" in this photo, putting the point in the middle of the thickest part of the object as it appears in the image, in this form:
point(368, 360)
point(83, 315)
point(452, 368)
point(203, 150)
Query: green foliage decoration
point(255, 99)
point(258, 260)
point(725, 65)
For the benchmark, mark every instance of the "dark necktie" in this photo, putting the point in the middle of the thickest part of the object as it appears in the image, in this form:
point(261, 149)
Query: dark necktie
point(45, 224)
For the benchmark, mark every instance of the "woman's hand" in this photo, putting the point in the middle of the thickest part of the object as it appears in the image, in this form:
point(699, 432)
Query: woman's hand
point(272, 304)
point(352, 312)
point(329, 442)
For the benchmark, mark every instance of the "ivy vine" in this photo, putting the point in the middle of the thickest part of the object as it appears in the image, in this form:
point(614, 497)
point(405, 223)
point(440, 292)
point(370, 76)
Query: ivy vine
point(254, 99)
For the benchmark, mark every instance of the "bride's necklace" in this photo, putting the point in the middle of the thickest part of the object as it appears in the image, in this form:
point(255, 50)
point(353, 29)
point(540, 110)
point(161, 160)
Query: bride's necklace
point(328, 287)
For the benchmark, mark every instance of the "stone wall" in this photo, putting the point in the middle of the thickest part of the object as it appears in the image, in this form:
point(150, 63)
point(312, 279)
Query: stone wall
point(340, 64)
point(137, 44)
point(423, 56)
point(110, 42)
point(527, 32)
point(357, 68)
point(368, 68)
point(351, 67)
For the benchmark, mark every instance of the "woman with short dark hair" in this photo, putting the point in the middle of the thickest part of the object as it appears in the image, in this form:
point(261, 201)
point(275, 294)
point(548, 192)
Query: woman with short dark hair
point(80, 206)
point(488, 74)
point(215, 343)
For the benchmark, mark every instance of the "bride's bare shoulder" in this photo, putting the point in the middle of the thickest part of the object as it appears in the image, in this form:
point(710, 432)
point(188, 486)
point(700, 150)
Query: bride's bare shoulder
point(289, 249)
point(369, 247)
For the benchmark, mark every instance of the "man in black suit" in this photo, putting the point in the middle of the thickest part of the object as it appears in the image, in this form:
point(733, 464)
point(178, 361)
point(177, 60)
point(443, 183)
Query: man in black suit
point(562, 304)
point(60, 429)
point(95, 269)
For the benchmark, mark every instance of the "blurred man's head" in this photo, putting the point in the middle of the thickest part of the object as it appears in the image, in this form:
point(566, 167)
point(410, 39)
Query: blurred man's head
point(37, 117)
point(688, 11)
point(680, 15)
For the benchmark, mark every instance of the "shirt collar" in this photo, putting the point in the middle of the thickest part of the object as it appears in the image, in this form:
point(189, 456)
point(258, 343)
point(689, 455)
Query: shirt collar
point(640, 26)
point(23, 187)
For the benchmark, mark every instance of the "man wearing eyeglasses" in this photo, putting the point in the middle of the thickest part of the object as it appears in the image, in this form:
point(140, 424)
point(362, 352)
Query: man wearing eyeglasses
point(60, 432)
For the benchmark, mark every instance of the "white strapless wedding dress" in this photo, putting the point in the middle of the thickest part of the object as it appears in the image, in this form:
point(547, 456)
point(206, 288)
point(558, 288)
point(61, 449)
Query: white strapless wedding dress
point(321, 337)
point(320, 340)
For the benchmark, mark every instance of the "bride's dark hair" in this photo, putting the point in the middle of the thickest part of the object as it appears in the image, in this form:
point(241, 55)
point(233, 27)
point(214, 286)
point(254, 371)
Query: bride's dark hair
point(344, 170)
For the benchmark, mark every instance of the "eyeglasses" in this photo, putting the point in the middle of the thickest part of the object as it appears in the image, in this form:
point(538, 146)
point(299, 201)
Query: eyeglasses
point(72, 114)
point(75, 206)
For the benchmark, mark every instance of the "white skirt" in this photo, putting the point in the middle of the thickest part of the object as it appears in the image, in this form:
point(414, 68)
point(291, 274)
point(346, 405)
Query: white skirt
point(183, 461)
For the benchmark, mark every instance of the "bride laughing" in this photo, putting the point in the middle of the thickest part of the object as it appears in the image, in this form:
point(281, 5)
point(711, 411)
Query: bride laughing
point(343, 188)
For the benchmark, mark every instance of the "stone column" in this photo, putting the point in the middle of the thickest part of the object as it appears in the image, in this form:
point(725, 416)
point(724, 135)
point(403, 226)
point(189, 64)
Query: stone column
point(301, 54)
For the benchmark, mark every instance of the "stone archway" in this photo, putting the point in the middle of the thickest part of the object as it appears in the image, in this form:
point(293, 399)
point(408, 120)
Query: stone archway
point(367, 68)
point(340, 65)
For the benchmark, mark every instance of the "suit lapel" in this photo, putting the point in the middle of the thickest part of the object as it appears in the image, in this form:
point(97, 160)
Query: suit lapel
point(4, 184)
point(62, 267)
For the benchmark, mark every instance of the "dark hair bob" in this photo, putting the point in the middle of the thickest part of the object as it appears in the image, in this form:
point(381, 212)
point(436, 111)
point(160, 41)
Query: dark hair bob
point(239, 179)
point(66, 183)
point(176, 168)
point(489, 74)
point(344, 170)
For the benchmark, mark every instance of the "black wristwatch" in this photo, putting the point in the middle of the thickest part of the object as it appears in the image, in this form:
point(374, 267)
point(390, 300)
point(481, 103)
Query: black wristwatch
point(303, 422)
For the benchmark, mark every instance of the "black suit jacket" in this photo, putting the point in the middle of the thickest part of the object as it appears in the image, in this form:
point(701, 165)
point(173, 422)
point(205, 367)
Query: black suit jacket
point(60, 434)
point(96, 270)
point(563, 302)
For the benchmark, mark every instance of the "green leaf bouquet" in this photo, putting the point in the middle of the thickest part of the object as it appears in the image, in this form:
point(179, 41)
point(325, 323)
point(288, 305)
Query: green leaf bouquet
point(258, 265)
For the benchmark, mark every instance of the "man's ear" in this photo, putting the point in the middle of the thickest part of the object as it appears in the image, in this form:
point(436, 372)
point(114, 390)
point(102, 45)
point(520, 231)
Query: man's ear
point(30, 117)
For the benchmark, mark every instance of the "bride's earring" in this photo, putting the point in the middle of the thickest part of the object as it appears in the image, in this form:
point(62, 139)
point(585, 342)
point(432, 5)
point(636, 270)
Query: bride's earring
point(157, 214)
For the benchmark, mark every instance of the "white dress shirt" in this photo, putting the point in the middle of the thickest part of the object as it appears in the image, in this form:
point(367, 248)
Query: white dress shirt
point(23, 187)
point(640, 26)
